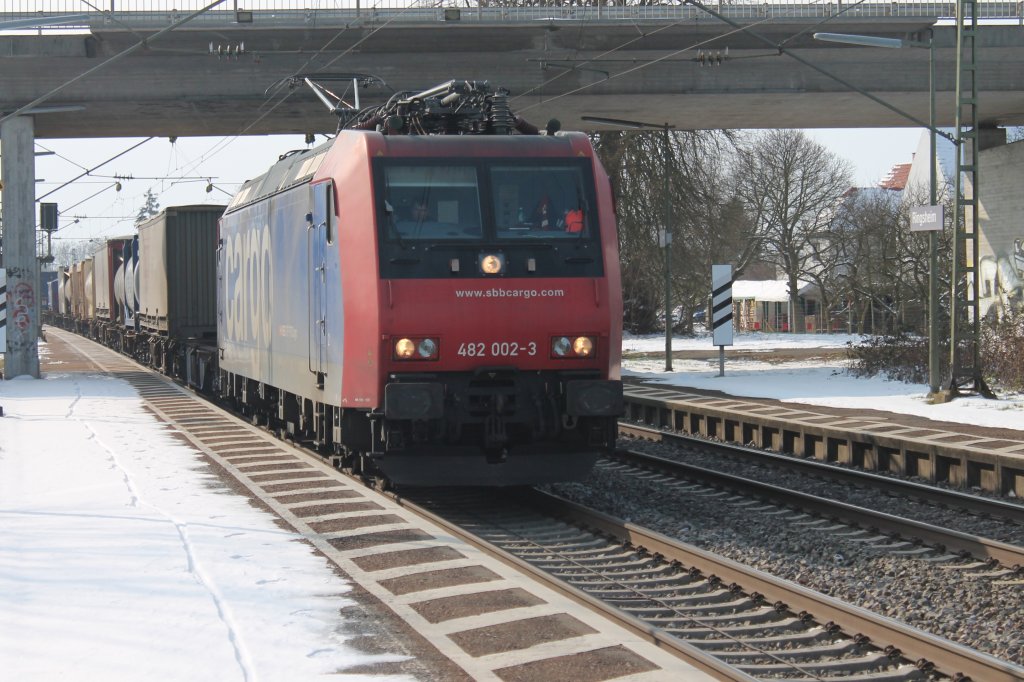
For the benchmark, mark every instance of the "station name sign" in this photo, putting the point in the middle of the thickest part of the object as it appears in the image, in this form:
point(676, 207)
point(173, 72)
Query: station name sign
point(925, 218)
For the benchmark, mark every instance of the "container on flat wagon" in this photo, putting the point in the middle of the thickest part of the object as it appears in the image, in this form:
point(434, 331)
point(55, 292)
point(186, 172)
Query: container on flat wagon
point(81, 290)
point(106, 263)
point(177, 272)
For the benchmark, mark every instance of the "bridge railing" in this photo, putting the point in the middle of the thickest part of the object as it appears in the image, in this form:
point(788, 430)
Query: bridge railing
point(326, 13)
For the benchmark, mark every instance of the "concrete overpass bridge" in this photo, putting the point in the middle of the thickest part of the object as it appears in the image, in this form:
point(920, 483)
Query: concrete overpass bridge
point(134, 70)
point(219, 74)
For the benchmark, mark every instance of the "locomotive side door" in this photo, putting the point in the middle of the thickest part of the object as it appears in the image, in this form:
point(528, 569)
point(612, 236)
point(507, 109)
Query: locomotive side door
point(318, 235)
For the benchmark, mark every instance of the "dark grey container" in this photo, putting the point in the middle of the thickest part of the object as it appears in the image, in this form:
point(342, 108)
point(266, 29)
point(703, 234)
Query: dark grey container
point(178, 276)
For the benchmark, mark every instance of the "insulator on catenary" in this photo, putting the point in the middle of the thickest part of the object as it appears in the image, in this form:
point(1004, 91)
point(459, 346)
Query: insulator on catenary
point(501, 116)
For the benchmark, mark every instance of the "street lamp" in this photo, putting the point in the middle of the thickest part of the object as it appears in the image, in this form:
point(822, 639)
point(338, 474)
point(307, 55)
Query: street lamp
point(933, 248)
point(666, 234)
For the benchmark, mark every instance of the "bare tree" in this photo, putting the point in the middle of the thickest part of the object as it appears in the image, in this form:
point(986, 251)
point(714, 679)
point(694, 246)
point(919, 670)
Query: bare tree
point(790, 185)
point(706, 222)
point(69, 251)
point(863, 251)
point(630, 161)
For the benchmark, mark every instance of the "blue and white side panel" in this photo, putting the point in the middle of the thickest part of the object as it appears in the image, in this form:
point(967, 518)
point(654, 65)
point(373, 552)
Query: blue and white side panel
point(266, 303)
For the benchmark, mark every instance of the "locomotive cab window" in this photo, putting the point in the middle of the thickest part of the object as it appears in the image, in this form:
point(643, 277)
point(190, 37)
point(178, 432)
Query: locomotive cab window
point(438, 218)
point(431, 203)
point(546, 201)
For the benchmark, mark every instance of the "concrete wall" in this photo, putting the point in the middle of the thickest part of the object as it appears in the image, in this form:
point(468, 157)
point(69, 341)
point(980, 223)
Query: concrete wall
point(1002, 223)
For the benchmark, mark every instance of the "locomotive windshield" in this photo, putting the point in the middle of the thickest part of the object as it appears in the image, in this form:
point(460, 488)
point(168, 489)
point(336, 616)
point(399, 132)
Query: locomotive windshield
point(531, 200)
point(432, 202)
point(492, 200)
point(435, 216)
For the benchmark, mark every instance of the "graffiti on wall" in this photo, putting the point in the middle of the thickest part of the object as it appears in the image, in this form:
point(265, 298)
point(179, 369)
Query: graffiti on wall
point(1002, 280)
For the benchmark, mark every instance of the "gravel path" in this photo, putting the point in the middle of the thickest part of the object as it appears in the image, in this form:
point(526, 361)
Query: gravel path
point(981, 612)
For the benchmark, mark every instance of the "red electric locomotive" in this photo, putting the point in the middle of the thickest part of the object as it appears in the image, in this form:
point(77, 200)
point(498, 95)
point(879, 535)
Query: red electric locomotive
point(434, 309)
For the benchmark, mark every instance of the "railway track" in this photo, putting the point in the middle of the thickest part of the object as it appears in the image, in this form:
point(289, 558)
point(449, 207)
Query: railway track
point(973, 504)
point(762, 625)
point(670, 599)
point(940, 454)
point(942, 539)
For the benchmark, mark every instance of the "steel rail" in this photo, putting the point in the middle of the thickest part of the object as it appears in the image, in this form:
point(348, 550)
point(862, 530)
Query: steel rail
point(948, 498)
point(951, 540)
point(947, 656)
point(684, 650)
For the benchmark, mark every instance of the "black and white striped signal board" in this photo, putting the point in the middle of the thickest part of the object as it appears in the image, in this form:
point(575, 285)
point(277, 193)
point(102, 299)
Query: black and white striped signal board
point(721, 304)
point(3, 311)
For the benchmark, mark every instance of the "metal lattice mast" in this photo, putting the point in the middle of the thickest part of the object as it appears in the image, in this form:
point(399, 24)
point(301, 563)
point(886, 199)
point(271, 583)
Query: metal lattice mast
point(965, 326)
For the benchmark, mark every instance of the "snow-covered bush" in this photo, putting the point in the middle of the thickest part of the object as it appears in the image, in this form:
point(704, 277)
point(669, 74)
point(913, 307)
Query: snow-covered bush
point(901, 357)
point(904, 357)
point(1002, 351)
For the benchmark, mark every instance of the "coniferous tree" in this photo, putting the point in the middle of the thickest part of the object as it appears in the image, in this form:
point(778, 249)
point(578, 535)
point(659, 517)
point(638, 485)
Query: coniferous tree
point(149, 209)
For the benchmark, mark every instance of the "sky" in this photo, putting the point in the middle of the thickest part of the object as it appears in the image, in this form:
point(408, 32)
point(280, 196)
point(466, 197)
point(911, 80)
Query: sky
point(871, 151)
point(179, 173)
point(123, 558)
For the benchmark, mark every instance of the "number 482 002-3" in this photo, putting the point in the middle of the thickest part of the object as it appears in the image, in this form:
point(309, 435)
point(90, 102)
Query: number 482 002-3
point(496, 349)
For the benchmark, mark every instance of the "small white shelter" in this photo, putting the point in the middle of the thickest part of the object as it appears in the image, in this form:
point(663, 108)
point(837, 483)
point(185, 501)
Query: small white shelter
point(763, 305)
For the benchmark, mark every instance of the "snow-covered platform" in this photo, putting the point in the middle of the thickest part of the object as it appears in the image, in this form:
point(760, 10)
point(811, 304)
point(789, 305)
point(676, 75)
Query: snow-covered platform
point(145, 533)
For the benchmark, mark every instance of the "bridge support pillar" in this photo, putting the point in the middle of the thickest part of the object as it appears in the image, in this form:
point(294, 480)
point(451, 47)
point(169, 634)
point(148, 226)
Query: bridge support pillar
point(17, 168)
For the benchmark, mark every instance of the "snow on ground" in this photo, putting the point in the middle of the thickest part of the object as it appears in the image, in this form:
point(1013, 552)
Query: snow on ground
point(811, 382)
point(123, 558)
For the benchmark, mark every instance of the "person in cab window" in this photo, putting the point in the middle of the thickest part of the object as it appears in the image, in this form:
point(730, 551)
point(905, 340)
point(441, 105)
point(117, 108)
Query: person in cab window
point(574, 220)
point(543, 215)
point(414, 217)
point(420, 212)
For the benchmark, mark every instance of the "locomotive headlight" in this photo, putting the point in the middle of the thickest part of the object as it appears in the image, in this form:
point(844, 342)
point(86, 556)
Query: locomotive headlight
point(427, 348)
point(492, 263)
point(422, 348)
point(561, 346)
point(404, 348)
point(572, 347)
point(583, 346)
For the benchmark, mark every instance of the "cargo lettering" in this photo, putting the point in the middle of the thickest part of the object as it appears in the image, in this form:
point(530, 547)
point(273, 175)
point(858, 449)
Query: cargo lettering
point(249, 272)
